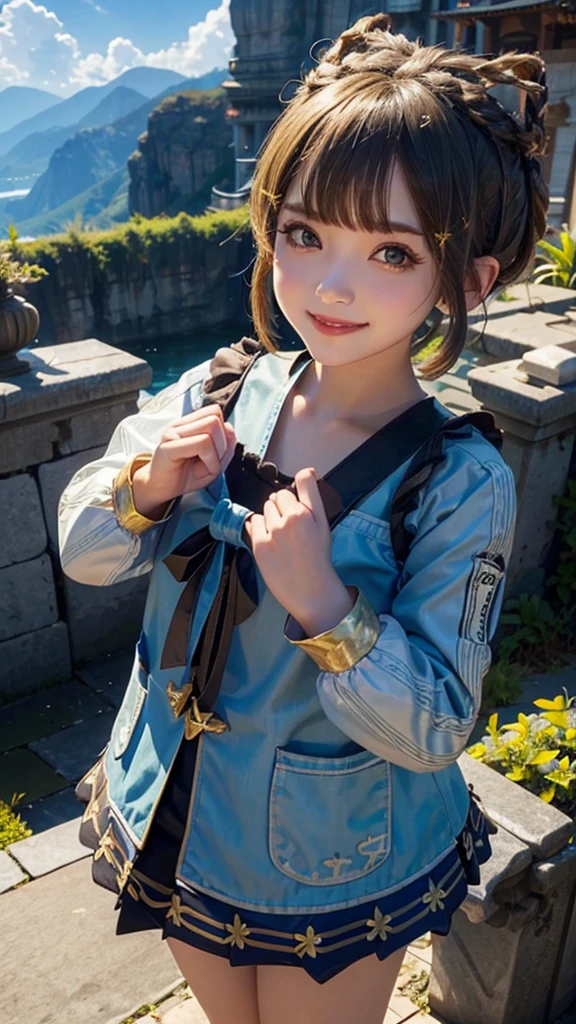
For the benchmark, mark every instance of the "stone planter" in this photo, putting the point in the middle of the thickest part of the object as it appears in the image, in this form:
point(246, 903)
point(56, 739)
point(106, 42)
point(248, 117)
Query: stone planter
point(19, 322)
point(509, 957)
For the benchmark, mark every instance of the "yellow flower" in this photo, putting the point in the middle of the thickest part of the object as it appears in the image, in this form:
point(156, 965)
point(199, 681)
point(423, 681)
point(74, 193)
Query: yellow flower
point(434, 896)
point(548, 794)
point(543, 757)
point(477, 750)
point(556, 711)
point(379, 925)
point(239, 932)
point(307, 943)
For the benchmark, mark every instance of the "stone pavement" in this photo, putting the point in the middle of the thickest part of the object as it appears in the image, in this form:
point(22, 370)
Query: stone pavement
point(62, 960)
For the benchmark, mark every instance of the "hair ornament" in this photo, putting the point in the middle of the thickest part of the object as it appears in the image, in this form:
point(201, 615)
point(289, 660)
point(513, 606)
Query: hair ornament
point(317, 43)
point(442, 237)
point(269, 195)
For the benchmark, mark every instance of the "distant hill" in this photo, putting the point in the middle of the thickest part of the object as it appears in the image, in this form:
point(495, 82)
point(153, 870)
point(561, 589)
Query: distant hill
point(101, 206)
point(19, 102)
point(70, 111)
point(90, 156)
point(31, 156)
point(149, 81)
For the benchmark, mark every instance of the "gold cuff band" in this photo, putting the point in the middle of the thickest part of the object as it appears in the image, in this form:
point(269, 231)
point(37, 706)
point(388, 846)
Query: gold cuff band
point(123, 498)
point(340, 648)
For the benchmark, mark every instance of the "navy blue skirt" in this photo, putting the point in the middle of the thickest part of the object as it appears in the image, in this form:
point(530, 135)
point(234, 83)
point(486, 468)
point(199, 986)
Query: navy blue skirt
point(323, 943)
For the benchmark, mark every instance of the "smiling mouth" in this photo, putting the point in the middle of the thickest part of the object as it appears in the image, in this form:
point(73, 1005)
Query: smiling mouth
point(328, 326)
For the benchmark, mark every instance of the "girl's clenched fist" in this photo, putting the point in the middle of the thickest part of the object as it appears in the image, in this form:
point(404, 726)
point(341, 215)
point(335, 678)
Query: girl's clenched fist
point(193, 451)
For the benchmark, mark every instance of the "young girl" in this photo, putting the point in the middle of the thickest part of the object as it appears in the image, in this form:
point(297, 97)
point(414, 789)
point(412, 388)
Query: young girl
point(280, 793)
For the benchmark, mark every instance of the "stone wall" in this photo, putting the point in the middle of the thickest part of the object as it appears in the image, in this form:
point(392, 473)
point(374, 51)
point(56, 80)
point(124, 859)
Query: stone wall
point(178, 286)
point(54, 419)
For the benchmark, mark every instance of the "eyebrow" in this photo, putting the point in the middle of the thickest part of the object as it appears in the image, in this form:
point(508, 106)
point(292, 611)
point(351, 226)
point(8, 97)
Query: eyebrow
point(397, 226)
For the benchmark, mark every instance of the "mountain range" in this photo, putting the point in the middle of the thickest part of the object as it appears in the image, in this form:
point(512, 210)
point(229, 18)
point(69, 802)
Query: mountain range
point(148, 81)
point(31, 156)
point(18, 103)
point(87, 171)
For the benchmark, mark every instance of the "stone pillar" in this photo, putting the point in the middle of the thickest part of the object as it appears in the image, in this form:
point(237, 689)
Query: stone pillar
point(538, 418)
point(54, 419)
point(509, 956)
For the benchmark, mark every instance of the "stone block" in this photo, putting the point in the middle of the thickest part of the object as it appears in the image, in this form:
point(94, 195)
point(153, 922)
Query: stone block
point(54, 477)
point(543, 828)
point(27, 597)
point(21, 771)
point(52, 810)
point(62, 963)
point(10, 872)
point(45, 713)
point(23, 529)
point(510, 862)
point(48, 851)
point(505, 974)
point(72, 377)
point(92, 426)
point(108, 677)
point(30, 662)
point(102, 620)
point(71, 752)
point(24, 445)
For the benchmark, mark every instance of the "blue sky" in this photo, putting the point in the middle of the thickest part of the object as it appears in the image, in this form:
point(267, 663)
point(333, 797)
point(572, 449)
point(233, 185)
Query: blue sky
point(64, 45)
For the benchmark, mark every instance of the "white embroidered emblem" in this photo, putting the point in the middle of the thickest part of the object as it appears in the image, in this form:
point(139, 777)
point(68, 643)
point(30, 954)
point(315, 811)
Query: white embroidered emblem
point(480, 595)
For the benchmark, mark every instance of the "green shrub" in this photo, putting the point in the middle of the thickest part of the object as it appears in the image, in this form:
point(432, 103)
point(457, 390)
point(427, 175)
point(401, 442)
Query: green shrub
point(537, 750)
point(12, 828)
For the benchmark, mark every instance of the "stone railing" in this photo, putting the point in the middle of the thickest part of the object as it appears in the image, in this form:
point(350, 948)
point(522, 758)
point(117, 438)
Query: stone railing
point(54, 419)
point(510, 955)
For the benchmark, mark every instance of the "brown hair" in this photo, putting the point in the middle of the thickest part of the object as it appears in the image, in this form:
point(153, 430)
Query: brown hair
point(469, 162)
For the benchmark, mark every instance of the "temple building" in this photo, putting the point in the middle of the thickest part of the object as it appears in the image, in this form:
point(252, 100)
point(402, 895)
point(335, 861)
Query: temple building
point(274, 39)
point(549, 28)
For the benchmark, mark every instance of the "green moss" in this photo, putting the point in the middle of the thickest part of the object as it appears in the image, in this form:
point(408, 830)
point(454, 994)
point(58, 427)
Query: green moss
point(158, 240)
point(193, 97)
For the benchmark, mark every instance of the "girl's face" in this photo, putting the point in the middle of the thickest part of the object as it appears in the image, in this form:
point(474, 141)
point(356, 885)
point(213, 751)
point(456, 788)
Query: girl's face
point(387, 283)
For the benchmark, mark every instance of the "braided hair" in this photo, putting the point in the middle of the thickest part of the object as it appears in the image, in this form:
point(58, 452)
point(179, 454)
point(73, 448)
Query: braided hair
point(471, 164)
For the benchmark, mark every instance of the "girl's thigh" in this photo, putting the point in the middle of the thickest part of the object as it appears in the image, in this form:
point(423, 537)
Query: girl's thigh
point(225, 993)
point(361, 992)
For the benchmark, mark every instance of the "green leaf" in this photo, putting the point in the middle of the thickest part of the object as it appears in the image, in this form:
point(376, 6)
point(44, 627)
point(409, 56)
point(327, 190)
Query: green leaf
point(559, 257)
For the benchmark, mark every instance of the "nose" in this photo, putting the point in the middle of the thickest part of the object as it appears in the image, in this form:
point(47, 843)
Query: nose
point(333, 288)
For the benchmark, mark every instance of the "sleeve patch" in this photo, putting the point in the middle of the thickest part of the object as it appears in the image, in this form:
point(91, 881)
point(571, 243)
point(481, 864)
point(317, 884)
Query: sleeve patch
point(481, 592)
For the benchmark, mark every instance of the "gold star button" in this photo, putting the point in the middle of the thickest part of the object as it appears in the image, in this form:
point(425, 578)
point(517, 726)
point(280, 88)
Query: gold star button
point(202, 721)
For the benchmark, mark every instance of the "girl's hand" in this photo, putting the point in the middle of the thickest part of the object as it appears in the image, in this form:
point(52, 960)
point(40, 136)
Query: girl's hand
point(193, 451)
point(291, 543)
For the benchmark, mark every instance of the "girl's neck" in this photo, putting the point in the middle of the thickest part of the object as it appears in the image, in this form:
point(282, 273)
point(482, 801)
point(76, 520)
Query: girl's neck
point(367, 389)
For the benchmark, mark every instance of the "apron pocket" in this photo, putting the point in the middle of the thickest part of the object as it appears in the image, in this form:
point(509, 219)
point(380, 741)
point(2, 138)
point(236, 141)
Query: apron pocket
point(129, 713)
point(329, 817)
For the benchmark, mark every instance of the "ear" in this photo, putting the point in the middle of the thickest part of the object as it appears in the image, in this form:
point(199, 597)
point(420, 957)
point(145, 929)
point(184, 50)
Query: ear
point(478, 282)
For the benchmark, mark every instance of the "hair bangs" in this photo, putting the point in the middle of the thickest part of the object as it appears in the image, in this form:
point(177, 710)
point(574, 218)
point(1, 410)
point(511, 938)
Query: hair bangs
point(346, 169)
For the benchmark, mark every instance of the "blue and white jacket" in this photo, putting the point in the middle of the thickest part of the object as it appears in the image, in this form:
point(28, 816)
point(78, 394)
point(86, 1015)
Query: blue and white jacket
point(328, 789)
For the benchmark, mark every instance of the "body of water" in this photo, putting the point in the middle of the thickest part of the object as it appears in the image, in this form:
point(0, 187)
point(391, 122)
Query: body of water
point(171, 356)
point(15, 194)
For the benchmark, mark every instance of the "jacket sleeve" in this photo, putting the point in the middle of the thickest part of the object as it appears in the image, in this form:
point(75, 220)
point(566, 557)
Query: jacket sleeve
point(414, 697)
point(94, 548)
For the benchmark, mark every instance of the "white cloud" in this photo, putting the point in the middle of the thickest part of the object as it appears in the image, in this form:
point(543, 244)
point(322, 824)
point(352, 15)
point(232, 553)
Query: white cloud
point(208, 45)
point(33, 45)
point(34, 49)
